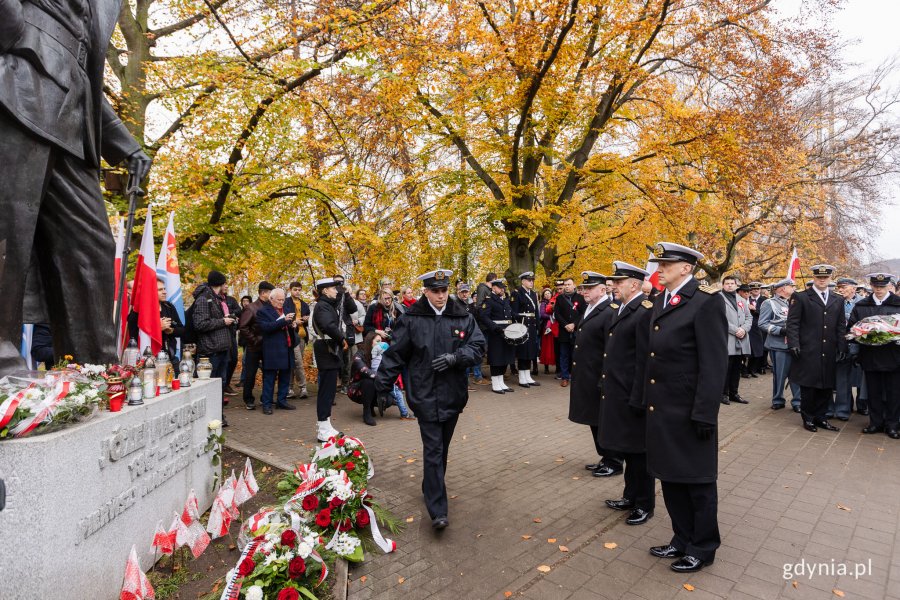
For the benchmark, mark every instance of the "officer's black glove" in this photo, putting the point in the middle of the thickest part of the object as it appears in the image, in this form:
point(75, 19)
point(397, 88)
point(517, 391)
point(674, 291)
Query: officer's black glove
point(704, 431)
point(443, 362)
point(637, 411)
point(795, 352)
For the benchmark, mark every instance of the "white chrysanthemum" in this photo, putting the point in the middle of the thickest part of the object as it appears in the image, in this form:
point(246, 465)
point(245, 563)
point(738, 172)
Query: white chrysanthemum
point(254, 592)
point(270, 558)
point(304, 549)
point(91, 393)
point(345, 544)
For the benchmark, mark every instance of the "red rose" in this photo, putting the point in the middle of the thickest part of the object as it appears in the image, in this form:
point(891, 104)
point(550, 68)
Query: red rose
point(349, 466)
point(357, 453)
point(296, 568)
point(346, 525)
point(246, 567)
point(323, 519)
point(335, 503)
point(288, 594)
point(288, 538)
point(362, 518)
point(310, 503)
point(341, 442)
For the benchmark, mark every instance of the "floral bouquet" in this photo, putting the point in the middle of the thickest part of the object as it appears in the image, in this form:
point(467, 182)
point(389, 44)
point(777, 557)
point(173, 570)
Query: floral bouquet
point(282, 562)
point(877, 330)
point(43, 405)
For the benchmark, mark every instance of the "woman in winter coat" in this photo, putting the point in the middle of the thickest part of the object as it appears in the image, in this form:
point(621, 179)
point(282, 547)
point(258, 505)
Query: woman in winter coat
point(362, 378)
point(549, 329)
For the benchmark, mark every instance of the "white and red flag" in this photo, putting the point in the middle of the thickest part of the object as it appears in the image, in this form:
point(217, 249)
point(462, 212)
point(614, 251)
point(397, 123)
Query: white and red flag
point(246, 486)
point(163, 540)
point(144, 297)
point(125, 306)
point(220, 517)
point(793, 271)
point(136, 585)
point(654, 273)
point(189, 530)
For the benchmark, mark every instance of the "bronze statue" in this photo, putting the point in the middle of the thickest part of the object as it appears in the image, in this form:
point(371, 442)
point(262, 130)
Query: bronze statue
point(55, 125)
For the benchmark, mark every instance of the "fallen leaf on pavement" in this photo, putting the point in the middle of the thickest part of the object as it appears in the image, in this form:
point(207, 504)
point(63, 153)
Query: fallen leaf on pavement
point(536, 519)
point(610, 545)
point(551, 540)
point(576, 478)
point(795, 584)
point(507, 594)
point(688, 587)
point(544, 569)
point(265, 470)
point(838, 593)
point(842, 507)
point(563, 549)
point(454, 497)
point(410, 519)
point(401, 579)
point(559, 460)
point(363, 579)
point(526, 537)
point(809, 472)
point(410, 460)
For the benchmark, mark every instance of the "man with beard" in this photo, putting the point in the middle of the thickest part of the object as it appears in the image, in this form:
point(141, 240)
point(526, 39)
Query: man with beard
point(525, 305)
point(435, 341)
point(587, 363)
point(683, 381)
point(623, 425)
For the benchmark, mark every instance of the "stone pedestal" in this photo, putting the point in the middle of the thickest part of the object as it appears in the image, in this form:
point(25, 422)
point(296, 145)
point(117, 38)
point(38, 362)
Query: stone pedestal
point(77, 499)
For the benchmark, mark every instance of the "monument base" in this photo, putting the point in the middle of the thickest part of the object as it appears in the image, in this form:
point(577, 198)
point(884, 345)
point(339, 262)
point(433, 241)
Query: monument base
point(77, 499)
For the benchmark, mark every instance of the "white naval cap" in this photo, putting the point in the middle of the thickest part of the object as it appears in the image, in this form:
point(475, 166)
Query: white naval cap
point(671, 252)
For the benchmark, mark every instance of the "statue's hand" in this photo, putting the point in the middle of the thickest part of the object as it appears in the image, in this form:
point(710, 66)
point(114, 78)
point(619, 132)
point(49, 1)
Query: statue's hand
point(139, 165)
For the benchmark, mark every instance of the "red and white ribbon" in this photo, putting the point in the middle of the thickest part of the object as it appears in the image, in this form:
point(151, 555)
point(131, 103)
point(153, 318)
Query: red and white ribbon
point(9, 406)
point(43, 410)
point(233, 584)
point(387, 545)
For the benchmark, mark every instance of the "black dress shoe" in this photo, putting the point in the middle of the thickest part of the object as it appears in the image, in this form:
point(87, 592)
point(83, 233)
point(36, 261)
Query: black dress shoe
point(863, 411)
point(250, 406)
point(638, 516)
point(777, 406)
point(843, 418)
point(267, 410)
point(607, 471)
point(286, 406)
point(439, 522)
point(754, 375)
point(739, 400)
point(796, 409)
point(872, 429)
point(688, 564)
point(534, 384)
point(725, 400)
point(809, 426)
point(823, 424)
point(508, 390)
point(622, 504)
point(893, 434)
point(524, 385)
point(495, 391)
point(667, 551)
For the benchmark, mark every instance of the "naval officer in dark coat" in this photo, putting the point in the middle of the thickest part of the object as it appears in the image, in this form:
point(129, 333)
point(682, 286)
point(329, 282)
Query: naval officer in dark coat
point(494, 315)
point(686, 364)
point(526, 308)
point(328, 349)
point(816, 326)
point(623, 426)
point(587, 362)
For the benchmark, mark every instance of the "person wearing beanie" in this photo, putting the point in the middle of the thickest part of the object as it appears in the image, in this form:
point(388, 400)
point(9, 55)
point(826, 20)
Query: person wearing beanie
point(250, 336)
point(212, 323)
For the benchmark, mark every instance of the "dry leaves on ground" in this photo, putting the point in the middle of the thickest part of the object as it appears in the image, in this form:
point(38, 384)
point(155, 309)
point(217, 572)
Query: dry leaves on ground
point(507, 594)
point(563, 549)
point(401, 579)
point(842, 507)
point(688, 587)
point(544, 569)
point(526, 537)
point(410, 519)
point(551, 540)
point(536, 519)
point(363, 579)
point(838, 593)
point(410, 460)
point(610, 545)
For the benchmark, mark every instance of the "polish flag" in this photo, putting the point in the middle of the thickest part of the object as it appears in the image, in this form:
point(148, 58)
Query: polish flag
point(189, 530)
point(793, 271)
point(163, 540)
point(144, 297)
point(126, 301)
point(136, 585)
point(246, 486)
point(220, 517)
point(654, 274)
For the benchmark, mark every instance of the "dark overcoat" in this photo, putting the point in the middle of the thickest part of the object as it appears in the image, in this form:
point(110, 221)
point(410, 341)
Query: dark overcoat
point(876, 358)
point(587, 363)
point(756, 335)
point(327, 323)
point(494, 309)
point(568, 309)
point(420, 336)
point(278, 339)
point(818, 330)
point(527, 310)
point(686, 364)
point(624, 362)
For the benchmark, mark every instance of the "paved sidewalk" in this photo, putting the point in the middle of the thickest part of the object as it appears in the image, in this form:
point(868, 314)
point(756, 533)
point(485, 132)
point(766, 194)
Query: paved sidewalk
point(521, 499)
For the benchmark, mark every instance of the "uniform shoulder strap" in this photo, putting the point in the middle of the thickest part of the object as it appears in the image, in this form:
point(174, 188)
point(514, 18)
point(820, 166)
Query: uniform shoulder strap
point(647, 304)
point(708, 289)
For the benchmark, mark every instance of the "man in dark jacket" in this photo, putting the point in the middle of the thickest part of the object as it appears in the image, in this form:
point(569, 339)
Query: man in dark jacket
point(328, 349)
point(346, 308)
point(170, 323)
point(435, 341)
point(686, 365)
point(297, 305)
point(251, 339)
point(623, 425)
point(212, 322)
point(815, 330)
point(278, 341)
point(567, 311)
point(235, 310)
point(881, 364)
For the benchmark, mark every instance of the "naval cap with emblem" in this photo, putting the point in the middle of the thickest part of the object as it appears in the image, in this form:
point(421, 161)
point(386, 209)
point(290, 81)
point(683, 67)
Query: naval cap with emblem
point(325, 282)
point(670, 252)
point(623, 270)
point(879, 279)
point(527, 275)
point(437, 279)
point(560, 282)
point(822, 270)
point(755, 285)
point(591, 278)
point(500, 282)
point(846, 281)
point(782, 283)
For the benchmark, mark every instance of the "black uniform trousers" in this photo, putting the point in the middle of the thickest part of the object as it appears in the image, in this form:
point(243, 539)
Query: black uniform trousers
point(884, 398)
point(51, 201)
point(814, 402)
point(436, 436)
point(607, 457)
point(639, 483)
point(327, 391)
point(693, 509)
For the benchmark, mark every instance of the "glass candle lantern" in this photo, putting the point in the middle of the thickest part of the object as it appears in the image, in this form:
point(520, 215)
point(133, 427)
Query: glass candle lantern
point(163, 372)
point(148, 377)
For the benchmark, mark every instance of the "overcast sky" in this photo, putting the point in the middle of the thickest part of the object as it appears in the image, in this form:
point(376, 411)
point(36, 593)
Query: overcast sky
point(871, 27)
